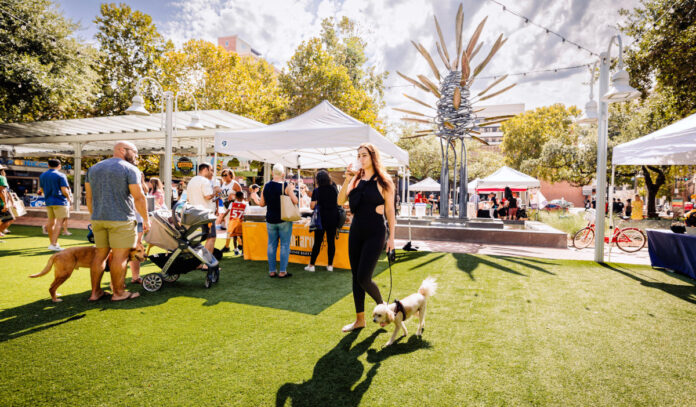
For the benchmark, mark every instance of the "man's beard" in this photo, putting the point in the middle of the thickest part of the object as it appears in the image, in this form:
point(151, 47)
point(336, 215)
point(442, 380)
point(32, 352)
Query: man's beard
point(132, 159)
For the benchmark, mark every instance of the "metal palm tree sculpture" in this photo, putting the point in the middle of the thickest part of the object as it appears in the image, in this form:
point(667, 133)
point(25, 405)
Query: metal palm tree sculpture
point(455, 117)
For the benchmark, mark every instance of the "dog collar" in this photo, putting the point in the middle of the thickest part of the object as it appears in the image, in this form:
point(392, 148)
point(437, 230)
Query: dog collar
point(399, 308)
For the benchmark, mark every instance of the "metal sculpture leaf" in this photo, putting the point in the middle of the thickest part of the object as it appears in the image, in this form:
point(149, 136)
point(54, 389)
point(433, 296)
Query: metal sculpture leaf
point(442, 42)
point(428, 58)
point(413, 81)
point(498, 92)
point(497, 81)
point(443, 57)
point(409, 112)
point(457, 98)
point(413, 119)
point(459, 24)
point(496, 46)
point(474, 38)
point(418, 101)
point(478, 48)
point(488, 123)
point(430, 85)
point(466, 69)
point(480, 140)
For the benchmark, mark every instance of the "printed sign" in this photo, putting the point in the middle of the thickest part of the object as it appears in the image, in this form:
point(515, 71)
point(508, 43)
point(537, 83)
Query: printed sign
point(184, 165)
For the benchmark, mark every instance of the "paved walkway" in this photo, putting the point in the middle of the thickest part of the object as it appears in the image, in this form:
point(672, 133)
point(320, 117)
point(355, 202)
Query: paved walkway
point(617, 256)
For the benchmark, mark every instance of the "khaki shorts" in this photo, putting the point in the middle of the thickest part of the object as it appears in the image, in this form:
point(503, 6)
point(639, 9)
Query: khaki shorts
point(58, 211)
point(114, 234)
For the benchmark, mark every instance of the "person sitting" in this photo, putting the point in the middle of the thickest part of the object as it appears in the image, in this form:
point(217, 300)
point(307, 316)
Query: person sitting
point(234, 228)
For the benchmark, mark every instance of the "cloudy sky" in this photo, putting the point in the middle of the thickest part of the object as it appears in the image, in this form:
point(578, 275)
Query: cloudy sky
point(277, 27)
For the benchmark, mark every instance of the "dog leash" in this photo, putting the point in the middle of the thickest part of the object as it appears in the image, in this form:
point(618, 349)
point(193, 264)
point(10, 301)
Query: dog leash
point(390, 255)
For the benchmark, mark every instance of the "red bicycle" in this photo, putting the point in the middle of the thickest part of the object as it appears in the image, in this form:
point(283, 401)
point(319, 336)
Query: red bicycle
point(629, 240)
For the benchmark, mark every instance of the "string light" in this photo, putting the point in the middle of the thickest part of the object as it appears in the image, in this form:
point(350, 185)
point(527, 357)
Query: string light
point(524, 74)
point(527, 20)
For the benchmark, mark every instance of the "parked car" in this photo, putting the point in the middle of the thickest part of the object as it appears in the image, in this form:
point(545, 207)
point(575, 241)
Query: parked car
point(559, 204)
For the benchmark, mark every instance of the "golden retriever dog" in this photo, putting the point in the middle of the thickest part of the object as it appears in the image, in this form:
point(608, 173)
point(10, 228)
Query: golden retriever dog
point(400, 311)
point(69, 260)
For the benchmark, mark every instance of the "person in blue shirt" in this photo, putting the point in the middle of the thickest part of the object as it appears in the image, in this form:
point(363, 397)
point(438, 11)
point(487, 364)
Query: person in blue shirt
point(56, 190)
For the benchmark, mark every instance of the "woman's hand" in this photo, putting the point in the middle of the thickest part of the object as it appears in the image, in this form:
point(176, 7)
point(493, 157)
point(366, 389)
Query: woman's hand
point(390, 244)
point(350, 172)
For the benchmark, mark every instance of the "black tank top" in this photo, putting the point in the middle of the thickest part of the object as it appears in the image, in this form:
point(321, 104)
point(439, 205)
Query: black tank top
point(365, 197)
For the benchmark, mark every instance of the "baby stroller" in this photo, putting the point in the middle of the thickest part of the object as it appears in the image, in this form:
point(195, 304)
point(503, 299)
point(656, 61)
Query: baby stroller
point(180, 233)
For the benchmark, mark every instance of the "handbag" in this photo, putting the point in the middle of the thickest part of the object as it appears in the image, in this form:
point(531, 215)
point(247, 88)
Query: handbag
point(315, 223)
point(18, 208)
point(288, 211)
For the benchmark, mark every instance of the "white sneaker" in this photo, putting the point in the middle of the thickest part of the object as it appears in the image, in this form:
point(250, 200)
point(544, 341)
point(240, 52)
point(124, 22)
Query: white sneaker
point(55, 248)
point(329, 268)
point(309, 268)
point(236, 252)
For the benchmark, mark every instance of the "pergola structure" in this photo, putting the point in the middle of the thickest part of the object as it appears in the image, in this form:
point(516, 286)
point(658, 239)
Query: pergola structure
point(96, 136)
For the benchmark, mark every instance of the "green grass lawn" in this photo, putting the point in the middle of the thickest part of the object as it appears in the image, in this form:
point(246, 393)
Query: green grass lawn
point(500, 331)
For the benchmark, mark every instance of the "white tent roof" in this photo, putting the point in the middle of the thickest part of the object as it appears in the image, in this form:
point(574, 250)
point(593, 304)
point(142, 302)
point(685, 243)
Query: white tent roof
point(507, 177)
point(471, 187)
point(427, 185)
point(671, 145)
point(323, 137)
point(98, 135)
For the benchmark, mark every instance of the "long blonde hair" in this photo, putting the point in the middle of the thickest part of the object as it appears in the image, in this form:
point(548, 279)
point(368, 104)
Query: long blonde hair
point(383, 178)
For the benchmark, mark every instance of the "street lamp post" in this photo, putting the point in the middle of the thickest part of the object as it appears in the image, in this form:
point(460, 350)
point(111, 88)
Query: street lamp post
point(168, 99)
point(620, 91)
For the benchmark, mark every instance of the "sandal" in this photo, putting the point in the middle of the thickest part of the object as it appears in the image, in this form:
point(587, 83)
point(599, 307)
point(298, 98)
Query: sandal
point(272, 275)
point(286, 275)
point(136, 280)
point(128, 297)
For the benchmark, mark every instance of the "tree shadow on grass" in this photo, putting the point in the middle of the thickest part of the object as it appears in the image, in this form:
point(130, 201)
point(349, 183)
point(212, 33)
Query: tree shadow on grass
point(468, 263)
point(684, 292)
point(336, 375)
point(528, 262)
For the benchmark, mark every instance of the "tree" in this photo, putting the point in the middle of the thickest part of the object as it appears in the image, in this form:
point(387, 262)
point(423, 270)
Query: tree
point(223, 80)
point(130, 48)
point(545, 143)
point(663, 54)
point(45, 73)
point(332, 68)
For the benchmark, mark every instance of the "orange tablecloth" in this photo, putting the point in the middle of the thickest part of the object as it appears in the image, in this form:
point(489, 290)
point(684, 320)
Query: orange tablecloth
point(255, 240)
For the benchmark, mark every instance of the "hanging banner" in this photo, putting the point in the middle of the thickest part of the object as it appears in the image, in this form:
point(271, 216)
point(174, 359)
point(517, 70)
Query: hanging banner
point(255, 239)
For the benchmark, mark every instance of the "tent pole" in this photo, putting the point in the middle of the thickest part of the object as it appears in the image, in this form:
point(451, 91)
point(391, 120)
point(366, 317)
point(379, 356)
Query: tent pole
point(611, 211)
point(215, 162)
point(77, 178)
point(299, 191)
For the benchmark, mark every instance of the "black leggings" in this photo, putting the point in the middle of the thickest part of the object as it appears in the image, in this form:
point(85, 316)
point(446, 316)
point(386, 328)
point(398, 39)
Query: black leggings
point(330, 242)
point(365, 244)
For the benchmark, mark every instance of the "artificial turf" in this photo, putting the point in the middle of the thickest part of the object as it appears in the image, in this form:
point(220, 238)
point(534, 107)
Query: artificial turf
point(500, 331)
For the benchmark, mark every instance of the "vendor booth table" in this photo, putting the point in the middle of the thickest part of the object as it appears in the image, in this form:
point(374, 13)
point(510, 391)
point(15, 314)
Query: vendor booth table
point(673, 251)
point(301, 242)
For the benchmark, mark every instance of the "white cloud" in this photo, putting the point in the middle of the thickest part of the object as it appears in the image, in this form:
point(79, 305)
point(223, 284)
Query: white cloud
point(277, 27)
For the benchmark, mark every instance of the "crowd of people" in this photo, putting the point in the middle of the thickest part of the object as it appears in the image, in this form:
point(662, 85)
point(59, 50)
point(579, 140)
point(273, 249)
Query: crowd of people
point(632, 209)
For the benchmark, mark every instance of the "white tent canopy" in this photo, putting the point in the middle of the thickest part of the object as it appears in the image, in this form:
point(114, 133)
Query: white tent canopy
point(471, 187)
point(323, 137)
point(427, 185)
point(507, 177)
point(671, 145)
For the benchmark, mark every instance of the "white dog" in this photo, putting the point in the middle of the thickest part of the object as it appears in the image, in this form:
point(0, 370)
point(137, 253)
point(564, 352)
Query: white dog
point(400, 311)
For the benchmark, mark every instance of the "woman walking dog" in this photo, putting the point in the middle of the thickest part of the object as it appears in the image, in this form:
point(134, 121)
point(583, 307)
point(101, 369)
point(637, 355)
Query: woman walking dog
point(370, 193)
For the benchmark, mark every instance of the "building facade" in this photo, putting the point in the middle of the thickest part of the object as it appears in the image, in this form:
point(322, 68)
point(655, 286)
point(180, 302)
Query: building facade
point(492, 134)
point(235, 44)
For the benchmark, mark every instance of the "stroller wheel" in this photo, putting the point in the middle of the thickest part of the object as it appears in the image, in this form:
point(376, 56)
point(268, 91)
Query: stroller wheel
point(215, 275)
point(152, 282)
point(170, 278)
point(208, 281)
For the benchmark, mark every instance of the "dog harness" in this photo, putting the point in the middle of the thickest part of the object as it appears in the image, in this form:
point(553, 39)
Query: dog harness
point(399, 308)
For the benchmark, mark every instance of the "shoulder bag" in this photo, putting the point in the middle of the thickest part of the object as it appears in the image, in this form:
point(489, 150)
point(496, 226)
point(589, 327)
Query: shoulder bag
point(288, 211)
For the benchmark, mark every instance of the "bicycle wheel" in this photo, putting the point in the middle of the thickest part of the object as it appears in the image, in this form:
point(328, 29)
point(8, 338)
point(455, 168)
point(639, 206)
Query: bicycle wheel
point(583, 238)
point(630, 240)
